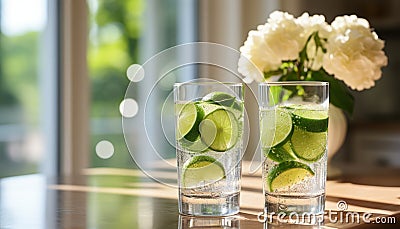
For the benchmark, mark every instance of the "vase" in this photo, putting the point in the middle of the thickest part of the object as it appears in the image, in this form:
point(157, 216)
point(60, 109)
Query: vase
point(337, 130)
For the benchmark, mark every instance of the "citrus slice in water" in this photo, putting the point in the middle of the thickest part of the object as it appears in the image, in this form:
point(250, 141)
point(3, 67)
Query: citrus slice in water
point(220, 98)
point(189, 117)
point(286, 174)
point(208, 107)
point(198, 146)
point(276, 128)
point(225, 126)
point(281, 153)
point(309, 146)
point(311, 120)
point(237, 109)
point(202, 170)
point(237, 105)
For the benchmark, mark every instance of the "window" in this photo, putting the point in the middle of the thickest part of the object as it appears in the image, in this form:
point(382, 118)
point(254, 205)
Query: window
point(28, 83)
point(123, 34)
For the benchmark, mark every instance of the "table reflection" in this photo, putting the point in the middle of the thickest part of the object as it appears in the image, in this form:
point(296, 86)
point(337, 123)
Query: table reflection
point(115, 198)
point(231, 222)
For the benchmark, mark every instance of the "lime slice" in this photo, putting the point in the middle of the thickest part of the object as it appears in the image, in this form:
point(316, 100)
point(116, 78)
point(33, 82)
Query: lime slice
point(281, 153)
point(208, 131)
point(276, 127)
point(237, 109)
point(189, 117)
point(220, 98)
point(208, 107)
point(202, 170)
point(286, 174)
point(178, 108)
point(225, 126)
point(311, 120)
point(237, 105)
point(309, 146)
point(197, 146)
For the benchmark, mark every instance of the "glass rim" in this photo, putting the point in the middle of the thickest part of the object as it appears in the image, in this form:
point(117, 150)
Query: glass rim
point(208, 83)
point(295, 83)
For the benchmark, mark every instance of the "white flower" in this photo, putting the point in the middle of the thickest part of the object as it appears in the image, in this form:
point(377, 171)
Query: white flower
point(250, 70)
point(354, 53)
point(281, 36)
point(315, 23)
point(269, 45)
point(252, 59)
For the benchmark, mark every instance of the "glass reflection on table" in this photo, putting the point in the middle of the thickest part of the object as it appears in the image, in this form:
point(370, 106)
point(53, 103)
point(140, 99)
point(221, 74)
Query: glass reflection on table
point(231, 222)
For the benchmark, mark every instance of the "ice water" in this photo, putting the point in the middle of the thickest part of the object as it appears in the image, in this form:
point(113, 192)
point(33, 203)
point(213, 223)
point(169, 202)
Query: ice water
point(209, 149)
point(299, 159)
point(216, 197)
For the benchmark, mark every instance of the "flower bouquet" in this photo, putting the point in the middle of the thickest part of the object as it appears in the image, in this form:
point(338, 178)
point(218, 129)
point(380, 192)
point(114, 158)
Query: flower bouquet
point(346, 53)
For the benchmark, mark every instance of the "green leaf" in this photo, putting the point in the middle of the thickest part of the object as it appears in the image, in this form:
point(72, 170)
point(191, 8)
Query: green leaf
point(303, 53)
point(290, 75)
point(272, 73)
point(318, 43)
point(339, 93)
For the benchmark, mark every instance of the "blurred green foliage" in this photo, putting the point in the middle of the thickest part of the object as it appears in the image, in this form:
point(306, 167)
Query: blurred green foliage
point(19, 99)
point(114, 36)
point(115, 29)
point(19, 73)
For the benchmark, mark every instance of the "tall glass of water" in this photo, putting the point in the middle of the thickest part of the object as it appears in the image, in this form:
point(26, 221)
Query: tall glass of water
point(293, 132)
point(209, 146)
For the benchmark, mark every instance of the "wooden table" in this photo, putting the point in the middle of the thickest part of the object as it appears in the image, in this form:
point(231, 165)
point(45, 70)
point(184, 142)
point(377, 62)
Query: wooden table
point(127, 198)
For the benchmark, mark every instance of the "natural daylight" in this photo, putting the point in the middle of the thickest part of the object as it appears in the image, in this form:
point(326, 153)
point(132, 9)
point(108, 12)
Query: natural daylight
point(189, 114)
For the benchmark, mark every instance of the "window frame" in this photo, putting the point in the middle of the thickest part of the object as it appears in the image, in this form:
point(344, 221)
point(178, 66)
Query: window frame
point(74, 87)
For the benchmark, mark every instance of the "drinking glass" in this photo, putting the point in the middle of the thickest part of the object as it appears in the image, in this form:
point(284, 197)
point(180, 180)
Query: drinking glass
point(209, 146)
point(197, 222)
point(293, 135)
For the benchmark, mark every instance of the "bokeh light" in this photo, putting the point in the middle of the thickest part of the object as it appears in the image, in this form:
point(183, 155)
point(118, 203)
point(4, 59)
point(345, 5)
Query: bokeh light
point(128, 108)
point(104, 149)
point(135, 73)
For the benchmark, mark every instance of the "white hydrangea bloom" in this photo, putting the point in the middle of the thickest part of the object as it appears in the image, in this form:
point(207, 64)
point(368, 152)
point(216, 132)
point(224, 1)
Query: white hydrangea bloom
point(355, 53)
point(250, 70)
point(310, 25)
point(266, 47)
point(313, 23)
point(252, 59)
point(281, 35)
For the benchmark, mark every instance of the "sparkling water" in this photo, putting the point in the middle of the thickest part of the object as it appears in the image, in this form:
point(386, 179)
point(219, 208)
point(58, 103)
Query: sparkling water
point(212, 198)
point(304, 197)
point(220, 197)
